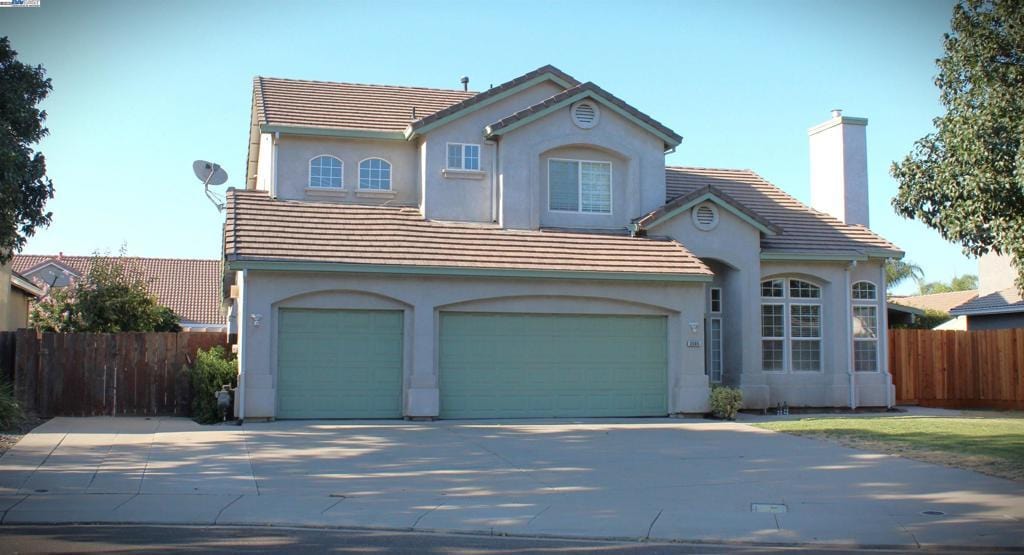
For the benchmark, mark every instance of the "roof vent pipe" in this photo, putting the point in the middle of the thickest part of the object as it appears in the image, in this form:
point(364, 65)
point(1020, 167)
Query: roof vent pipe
point(837, 113)
point(465, 83)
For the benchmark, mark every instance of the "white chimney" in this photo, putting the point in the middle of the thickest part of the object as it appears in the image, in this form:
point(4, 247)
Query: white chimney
point(839, 168)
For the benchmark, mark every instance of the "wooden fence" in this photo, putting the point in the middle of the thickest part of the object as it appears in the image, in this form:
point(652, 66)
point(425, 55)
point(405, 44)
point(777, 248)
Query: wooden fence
point(958, 369)
point(90, 374)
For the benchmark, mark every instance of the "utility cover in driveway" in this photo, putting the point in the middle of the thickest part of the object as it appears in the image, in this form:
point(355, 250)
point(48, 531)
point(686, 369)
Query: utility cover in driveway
point(339, 364)
point(533, 365)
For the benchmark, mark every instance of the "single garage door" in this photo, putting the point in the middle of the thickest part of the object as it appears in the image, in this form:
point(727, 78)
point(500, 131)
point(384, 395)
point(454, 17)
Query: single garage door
point(339, 364)
point(542, 365)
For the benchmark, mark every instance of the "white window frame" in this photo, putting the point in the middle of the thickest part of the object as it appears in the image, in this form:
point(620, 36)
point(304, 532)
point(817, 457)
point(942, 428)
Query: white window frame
point(579, 186)
point(462, 157)
point(359, 174)
point(711, 300)
point(721, 350)
point(787, 301)
point(309, 175)
point(865, 303)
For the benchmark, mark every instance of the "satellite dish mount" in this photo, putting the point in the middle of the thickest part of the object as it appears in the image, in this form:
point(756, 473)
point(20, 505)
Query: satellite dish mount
point(211, 175)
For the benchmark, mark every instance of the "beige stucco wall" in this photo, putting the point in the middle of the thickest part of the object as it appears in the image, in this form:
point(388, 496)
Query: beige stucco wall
point(5, 296)
point(17, 309)
point(293, 154)
point(422, 298)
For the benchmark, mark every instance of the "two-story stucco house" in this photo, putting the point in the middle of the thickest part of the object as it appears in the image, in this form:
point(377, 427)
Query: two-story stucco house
point(525, 252)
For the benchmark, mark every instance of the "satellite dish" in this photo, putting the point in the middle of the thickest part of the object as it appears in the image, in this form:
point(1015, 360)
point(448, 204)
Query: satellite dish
point(209, 173)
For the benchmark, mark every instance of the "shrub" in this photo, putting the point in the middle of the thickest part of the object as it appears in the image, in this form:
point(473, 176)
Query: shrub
point(10, 411)
point(213, 368)
point(726, 402)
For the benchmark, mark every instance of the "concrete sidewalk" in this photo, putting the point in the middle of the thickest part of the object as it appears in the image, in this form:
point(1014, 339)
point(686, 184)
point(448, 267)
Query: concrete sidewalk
point(635, 478)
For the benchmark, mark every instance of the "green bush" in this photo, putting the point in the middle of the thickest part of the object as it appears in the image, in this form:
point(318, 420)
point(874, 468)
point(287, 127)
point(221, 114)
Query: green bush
point(726, 402)
point(10, 411)
point(213, 368)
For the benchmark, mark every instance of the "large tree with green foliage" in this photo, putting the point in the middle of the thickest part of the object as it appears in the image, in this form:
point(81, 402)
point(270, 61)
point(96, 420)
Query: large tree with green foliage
point(965, 282)
point(112, 297)
point(966, 179)
point(24, 187)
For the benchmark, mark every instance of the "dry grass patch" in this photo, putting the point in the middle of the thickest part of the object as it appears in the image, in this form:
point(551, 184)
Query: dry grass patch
point(988, 443)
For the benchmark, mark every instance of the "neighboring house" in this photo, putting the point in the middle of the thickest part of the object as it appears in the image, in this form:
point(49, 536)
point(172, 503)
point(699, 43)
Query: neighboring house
point(905, 310)
point(16, 294)
point(189, 287)
point(525, 252)
point(999, 303)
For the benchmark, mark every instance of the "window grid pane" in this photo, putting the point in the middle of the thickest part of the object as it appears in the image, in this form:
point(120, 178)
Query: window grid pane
point(865, 322)
point(563, 185)
point(375, 174)
point(455, 157)
point(802, 290)
point(471, 158)
point(771, 355)
point(805, 320)
point(772, 288)
point(325, 171)
point(596, 187)
point(864, 291)
point(772, 321)
point(716, 350)
point(865, 356)
point(806, 354)
point(716, 300)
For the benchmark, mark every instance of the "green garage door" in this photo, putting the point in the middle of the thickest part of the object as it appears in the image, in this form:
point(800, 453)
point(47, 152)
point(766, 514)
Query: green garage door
point(531, 365)
point(339, 364)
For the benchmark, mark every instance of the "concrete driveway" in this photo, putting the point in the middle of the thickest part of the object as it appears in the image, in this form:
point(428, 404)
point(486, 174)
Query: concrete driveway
point(637, 478)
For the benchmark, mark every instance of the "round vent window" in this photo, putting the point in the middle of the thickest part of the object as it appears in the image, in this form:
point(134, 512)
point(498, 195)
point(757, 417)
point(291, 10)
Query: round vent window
point(705, 216)
point(585, 114)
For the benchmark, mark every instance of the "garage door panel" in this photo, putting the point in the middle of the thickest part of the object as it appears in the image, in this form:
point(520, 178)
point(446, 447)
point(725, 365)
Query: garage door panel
point(528, 365)
point(339, 364)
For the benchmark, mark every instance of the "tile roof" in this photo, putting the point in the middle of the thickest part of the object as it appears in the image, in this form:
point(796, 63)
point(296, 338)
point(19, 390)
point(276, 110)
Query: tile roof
point(259, 228)
point(1007, 300)
point(803, 229)
point(354, 106)
point(569, 93)
point(189, 287)
point(943, 302)
point(494, 91)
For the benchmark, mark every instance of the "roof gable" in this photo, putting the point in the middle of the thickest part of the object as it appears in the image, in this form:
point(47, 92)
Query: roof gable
point(575, 94)
point(708, 193)
point(490, 96)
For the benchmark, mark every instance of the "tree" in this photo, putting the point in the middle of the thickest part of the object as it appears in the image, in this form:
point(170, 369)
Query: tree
point(111, 297)
point(24, 187)
point(898, 271)
point(965, 282)
point(966, 179)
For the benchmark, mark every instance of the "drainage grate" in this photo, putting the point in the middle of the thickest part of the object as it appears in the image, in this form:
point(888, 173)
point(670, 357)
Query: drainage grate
point(768, 508)
point(933, 513)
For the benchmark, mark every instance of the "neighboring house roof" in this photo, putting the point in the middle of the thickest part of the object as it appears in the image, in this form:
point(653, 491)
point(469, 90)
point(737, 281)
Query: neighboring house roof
point(326, 105)
point(548, 71)
point(942, 302)
point(802, 230)
point(1001, 302)
point(22, 283)
point(385, 238)
point(894, 306)
point(575, 94)
point(189, 287)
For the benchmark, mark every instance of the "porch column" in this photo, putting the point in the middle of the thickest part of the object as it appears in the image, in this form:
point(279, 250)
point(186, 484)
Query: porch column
point(423, 398)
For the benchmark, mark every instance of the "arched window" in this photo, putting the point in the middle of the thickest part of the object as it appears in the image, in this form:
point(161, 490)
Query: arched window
point(375, 174)
point(790, 325)
point(864, 296)
point(325, 172)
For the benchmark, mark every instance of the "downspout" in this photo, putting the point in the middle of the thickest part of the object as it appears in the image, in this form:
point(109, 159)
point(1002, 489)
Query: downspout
point(494, 179)
point(883, 333)
point(273, 174)
point(849, 336)
point(242, 342)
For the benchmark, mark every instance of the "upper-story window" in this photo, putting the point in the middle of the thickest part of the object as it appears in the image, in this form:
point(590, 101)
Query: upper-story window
point(325, 172)
point(580, 186)
point(463, 156)
point(790, 325)
point(375, 174)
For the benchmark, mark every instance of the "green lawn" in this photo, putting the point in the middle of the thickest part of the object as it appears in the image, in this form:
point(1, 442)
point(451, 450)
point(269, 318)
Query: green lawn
point(990, 443)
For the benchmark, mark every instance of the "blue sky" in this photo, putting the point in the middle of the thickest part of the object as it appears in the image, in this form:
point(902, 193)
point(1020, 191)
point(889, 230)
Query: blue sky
point(141, 89)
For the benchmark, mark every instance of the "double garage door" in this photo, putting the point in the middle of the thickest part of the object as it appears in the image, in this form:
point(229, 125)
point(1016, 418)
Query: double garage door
point(348, 364)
